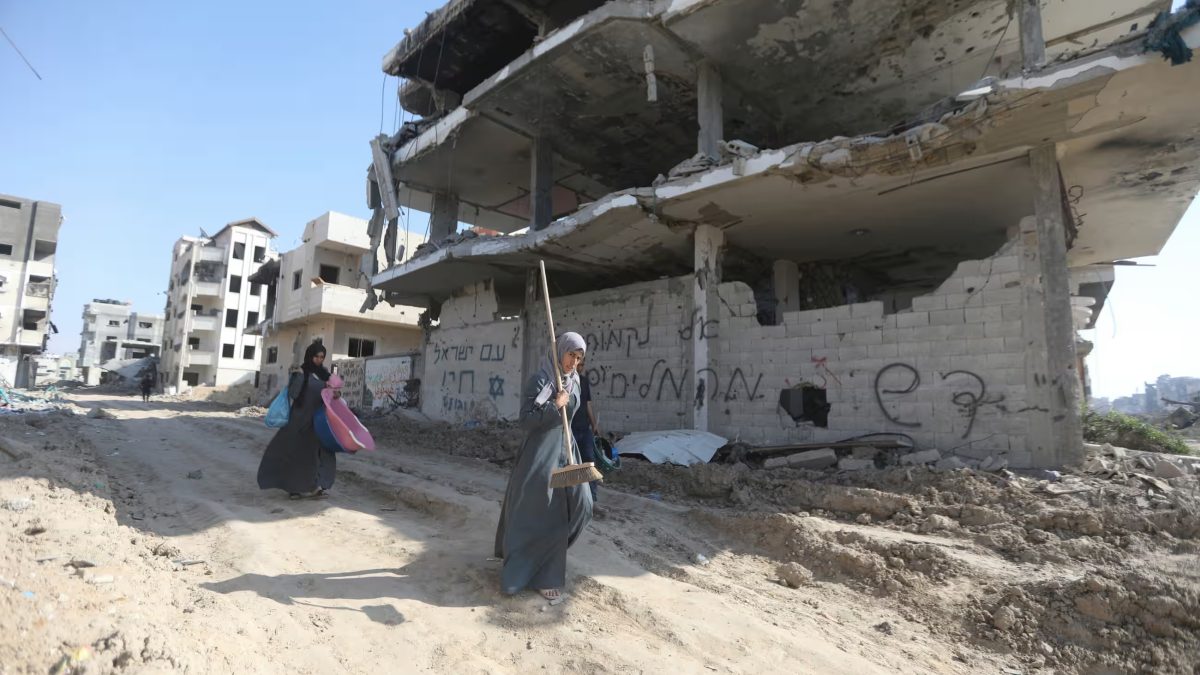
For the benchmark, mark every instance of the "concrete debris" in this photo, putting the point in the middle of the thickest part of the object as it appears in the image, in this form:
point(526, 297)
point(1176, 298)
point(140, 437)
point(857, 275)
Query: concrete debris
point(853, 464)
point(922, 457)
point(950, 463)
point(101, 414)
point(794, 575)
point(813, 459)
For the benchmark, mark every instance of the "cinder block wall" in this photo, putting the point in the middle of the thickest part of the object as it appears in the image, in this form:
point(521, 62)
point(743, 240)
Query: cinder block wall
point(472, 361)
point(638, 360)
point(950, 371)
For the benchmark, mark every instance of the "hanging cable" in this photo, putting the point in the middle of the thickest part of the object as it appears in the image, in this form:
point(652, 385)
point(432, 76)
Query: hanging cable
point(21, 54)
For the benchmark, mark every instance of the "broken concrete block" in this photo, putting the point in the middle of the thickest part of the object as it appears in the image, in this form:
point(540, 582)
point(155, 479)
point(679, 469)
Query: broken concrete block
point(949, 464)
point(775, 462)
point(854, 464)
point(922, 457)
point(1168, 470)
point(813, 459)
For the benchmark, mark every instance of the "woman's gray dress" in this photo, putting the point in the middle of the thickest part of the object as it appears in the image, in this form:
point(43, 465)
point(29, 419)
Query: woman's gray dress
point(295, 461)
point(538, 524)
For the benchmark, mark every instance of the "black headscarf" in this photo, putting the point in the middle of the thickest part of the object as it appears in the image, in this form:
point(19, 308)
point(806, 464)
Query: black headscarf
point(311, 368)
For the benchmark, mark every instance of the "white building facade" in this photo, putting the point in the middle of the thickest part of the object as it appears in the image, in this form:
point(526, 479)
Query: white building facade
point(316, 292)
point(210, 301)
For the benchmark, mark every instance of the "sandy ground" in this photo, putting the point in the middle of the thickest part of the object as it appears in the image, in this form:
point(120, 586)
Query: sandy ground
point(142, 544)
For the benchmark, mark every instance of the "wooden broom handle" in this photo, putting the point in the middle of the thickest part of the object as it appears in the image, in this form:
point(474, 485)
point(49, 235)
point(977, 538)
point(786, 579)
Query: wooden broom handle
point(567, 438)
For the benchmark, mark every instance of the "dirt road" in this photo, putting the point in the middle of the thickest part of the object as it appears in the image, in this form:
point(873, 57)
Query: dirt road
point(392, 573)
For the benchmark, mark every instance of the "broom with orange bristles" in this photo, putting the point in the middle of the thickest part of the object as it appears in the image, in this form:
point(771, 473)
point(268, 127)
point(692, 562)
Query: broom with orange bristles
point(575, 472)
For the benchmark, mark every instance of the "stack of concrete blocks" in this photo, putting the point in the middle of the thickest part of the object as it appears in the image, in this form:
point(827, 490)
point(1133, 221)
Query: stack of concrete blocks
point(638, 363)
point(973, 322)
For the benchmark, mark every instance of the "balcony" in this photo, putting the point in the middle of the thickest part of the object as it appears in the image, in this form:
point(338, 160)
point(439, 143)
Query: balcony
point(210, 289)
point(211, 254)
point(204, 322)
point(344, 302)
point(199, 357)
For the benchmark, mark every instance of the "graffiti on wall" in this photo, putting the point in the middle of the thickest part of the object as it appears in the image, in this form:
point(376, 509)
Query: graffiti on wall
point(469, 372)
point(386, 381)
point(351, 372)
point(896, 381)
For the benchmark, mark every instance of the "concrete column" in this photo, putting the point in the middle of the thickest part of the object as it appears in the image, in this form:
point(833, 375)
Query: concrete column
point(1051, 377)
point(541, 184)
point(443, 221)
point(1033, 43)
point(530, 312)
point(786, 277)
point(708, 241)
point(709, 110)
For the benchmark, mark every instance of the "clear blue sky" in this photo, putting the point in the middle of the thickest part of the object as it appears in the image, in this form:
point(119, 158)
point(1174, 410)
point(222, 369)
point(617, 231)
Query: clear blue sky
point(155, 121)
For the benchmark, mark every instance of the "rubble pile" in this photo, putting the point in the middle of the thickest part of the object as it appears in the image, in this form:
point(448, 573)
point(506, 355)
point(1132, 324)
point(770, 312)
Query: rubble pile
point(20, 402)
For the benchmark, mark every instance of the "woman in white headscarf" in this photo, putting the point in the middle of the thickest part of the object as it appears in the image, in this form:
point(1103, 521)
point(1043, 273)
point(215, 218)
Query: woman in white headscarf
point(537, 523)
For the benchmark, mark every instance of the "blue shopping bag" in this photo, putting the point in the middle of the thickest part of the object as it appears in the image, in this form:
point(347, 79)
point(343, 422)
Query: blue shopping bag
point(280, 410)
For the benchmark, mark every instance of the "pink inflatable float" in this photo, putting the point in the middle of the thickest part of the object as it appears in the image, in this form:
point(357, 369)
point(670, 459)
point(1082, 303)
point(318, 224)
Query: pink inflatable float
point(347, 430)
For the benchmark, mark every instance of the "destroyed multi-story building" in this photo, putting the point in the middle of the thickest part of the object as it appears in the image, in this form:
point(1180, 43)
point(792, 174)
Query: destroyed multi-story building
point(316, 292)
point(784, 222)
point(112, 331)
point(210, 301)
point(28, 242)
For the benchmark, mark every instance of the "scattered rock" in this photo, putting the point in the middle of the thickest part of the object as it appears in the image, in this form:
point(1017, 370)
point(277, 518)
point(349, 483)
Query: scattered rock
point(35, 529)
point(100, 414)
point(863, 519)
point(1168, 470)
point(794, 575)
point(885, 628)
point(1004, 618)
point(923, 457)
point(196, 475)
point(853, 464)
point(165, 550)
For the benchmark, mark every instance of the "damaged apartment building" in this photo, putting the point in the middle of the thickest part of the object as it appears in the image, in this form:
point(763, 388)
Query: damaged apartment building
point(796, 221)
point(315, 292)
point(113, 334)
point(28, 243)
